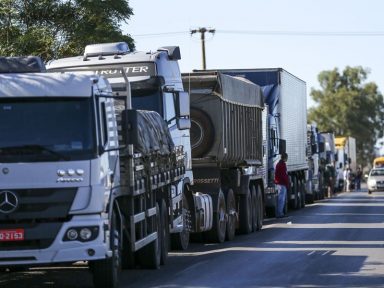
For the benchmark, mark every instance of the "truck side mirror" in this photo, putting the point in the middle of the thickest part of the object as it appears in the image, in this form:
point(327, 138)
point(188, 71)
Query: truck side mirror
point(182, 110)
point(182, 104)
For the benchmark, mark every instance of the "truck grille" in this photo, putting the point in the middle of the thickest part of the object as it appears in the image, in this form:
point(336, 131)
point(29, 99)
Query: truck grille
point(40, 213)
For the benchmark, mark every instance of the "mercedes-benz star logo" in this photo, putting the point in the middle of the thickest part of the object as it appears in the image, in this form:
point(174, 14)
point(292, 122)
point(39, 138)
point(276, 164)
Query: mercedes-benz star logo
point(8, 202)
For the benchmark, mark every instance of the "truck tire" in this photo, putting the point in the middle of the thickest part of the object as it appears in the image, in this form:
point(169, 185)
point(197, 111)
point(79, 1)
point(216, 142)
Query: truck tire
point(231, 212)
point(309, 198)
point(180, 241)
point(245, 213)
point(271, 211)
point(260, 209)
point(127, 255)
point(294, 203)
point(149, 256)
point(298, 194)
point(106, 272)
point(303, 194)
point(201, 133)
point(219, 224)
point(164, 232)
point(254, 208)
point(321, 187)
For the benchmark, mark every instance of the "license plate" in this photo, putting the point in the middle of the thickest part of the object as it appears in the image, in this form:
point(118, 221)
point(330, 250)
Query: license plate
point(11, 235)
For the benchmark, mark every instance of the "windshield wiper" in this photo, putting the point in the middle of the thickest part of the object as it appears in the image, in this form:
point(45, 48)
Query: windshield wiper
point(29, 149)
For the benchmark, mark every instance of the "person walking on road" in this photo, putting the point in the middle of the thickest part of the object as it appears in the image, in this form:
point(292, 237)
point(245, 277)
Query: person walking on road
point(347, 181)
point(359, 175)
point(282, 183)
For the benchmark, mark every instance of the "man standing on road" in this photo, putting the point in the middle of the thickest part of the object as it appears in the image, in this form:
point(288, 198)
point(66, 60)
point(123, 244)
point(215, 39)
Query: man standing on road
point(359, 175)
point(282, 183)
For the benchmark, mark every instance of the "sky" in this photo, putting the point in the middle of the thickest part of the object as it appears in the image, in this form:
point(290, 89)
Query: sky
point(303, 37)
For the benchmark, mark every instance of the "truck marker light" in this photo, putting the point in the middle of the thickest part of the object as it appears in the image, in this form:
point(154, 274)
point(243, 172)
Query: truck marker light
point(80, 172)
point(60, 173)
point(71, 172)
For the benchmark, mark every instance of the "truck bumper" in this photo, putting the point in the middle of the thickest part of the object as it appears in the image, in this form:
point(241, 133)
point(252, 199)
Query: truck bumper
point(61, 251)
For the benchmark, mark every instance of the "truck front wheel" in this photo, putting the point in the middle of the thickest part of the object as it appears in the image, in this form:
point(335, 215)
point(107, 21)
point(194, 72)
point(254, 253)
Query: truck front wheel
point(106, 272)
point(180, 241)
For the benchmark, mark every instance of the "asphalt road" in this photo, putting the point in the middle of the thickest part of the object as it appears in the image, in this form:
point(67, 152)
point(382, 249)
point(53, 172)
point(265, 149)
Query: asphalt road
point(335, 242)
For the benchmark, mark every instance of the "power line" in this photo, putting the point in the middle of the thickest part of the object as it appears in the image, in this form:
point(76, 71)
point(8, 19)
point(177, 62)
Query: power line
point(161, 34)
point(275, 32)
point(304, 33)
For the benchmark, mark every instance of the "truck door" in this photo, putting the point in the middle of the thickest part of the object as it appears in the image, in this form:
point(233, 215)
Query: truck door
point(108, 140)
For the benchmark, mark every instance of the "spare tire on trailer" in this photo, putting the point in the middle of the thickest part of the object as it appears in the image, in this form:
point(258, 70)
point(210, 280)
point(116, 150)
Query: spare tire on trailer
point(202, 133)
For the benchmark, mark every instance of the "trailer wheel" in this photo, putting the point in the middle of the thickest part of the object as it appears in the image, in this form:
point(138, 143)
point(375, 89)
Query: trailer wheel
point(245, 213)
point(106, 272)
point(232, 215)
point(180, 241)
point(164, 233)
point(201, 133)
point(309, 198)
point(219, 225)
point(149, 256)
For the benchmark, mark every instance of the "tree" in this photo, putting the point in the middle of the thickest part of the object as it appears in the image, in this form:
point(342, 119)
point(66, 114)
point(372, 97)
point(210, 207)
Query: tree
point(57, 28)
point(348, 106)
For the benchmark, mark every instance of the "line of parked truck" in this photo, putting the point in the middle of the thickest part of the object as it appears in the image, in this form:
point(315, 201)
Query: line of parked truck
point(114, 157)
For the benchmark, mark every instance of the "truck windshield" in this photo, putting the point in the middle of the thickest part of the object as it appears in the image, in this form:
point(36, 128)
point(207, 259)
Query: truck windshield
point(46, 129)
point(147, 99)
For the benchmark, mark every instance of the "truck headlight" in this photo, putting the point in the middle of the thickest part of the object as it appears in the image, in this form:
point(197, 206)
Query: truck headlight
point(85, 234)
point(372, 182)
point(72, 234)
point(82, 234)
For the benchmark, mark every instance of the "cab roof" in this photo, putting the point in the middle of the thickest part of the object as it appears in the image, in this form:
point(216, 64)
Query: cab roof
point(50, 85)
point(112, 53)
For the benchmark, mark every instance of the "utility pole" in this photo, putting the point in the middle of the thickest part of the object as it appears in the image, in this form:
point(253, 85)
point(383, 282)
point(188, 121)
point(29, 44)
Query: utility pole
point(202, 31)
